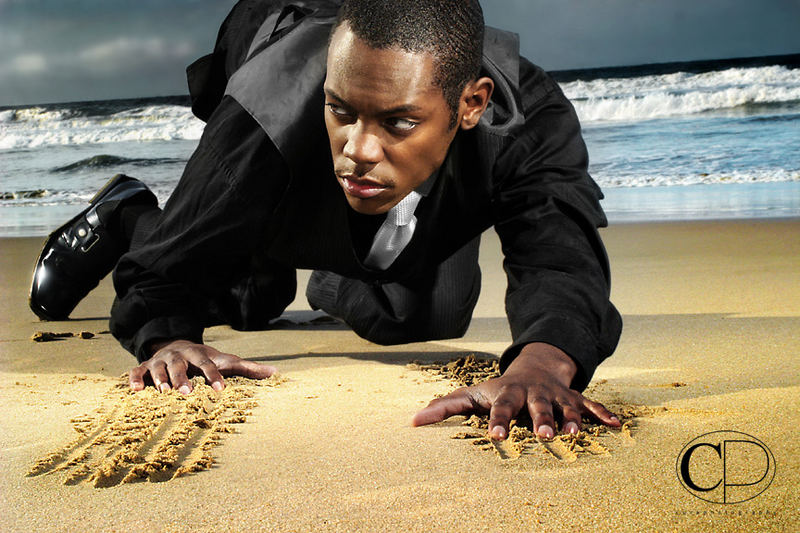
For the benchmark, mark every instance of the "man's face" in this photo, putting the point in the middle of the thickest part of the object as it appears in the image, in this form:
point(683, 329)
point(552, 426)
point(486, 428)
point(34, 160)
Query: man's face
point(388, 124)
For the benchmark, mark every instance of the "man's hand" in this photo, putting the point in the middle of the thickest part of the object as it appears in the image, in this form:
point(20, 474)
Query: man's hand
point(538, 378)
point(173, 361)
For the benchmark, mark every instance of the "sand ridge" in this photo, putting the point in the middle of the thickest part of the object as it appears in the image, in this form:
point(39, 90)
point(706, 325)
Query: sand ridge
point(592, 440)
point(152, 436)
point(466, 371)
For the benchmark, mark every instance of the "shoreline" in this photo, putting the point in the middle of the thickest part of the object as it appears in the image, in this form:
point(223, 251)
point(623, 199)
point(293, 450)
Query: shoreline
point(710, 310)
point(614, 224)
point(699, 202)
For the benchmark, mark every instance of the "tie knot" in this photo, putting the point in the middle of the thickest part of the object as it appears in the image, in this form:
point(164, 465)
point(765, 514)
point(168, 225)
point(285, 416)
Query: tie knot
point(403, 213)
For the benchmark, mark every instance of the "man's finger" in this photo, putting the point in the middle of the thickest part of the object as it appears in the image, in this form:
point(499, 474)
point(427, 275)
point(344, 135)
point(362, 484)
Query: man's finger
point(504, 407)
point(199, 359)
point(602, 414)
point(176, 368)
point(541, 410)
point(136, 378)
point(212, 374)
point(248, 369)
point(158, 372)
point(458, 402)
point(570, 418)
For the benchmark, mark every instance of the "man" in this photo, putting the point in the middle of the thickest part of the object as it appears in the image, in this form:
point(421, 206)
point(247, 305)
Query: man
point(432, 140)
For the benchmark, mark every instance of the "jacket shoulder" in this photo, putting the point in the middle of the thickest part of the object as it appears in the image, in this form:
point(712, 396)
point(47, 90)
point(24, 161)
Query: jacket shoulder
point(249, 25)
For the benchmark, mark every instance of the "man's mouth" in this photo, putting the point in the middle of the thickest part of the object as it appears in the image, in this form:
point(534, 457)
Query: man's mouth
point(361, 187)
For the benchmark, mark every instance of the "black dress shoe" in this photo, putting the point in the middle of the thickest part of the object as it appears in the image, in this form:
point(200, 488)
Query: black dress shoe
point(83, 251)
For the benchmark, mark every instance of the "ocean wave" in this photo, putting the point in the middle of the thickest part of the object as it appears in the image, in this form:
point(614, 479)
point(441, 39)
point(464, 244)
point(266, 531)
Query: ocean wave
point(104, 161)
point(771, 175)
point(41, 126)
point(23, 195)
point(681, 93)
point(65, 197)
point(42, 197)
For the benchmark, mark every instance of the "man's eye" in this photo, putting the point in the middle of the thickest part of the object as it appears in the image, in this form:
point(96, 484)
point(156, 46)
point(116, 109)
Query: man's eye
point(402, 124)
point(337, 110)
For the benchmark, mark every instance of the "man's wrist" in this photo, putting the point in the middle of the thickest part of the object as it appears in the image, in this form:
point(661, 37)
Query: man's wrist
point(157, 344)
point(539, 356)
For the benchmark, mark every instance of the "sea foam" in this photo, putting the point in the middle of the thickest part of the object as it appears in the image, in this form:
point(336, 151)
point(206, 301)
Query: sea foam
point(681, 93)
point(33, 127)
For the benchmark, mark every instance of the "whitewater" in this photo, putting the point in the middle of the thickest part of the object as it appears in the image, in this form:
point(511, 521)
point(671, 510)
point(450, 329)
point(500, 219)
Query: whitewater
point(730, 91)
point(679, 145)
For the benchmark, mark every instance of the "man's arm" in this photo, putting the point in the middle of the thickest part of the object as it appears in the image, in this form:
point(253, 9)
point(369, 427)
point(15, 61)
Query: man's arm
point(562, 322)
point(547, 215)
point(204, 240)
point(164, 287)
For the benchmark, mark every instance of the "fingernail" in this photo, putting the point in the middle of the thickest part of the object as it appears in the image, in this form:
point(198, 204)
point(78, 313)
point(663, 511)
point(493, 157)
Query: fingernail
point(546, 432)
point(615, 419)
point(571, 427)
point(185, 389)
point(499, 433)
point(217, 386)
point(163, 387)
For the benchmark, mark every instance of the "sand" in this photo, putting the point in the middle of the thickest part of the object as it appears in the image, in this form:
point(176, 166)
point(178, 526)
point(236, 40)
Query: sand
point(711, 343)
point(151, 436)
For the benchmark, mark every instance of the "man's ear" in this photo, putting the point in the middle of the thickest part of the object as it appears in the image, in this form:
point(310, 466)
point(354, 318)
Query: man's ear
point(474, 100)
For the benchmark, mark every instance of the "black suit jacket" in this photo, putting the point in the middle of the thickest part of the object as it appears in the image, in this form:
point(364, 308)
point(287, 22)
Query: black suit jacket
point(260, 189)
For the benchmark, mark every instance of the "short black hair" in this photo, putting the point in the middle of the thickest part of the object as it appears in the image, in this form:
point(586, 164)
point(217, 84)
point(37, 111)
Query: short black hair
point(450, 30)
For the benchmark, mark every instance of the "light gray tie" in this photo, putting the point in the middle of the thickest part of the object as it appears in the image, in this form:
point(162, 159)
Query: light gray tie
point(394, 234)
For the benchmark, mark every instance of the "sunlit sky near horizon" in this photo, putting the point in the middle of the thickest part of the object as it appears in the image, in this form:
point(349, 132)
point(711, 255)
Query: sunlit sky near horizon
point(73, 50)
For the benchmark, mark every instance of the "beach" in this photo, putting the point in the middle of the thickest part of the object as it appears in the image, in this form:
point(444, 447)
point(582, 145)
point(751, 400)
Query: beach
point(710, 343)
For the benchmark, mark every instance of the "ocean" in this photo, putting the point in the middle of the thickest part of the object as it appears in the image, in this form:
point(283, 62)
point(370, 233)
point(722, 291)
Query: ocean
point(678, 141)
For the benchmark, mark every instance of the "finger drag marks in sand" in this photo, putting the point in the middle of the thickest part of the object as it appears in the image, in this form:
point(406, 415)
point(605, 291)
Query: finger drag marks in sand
point(594, 440)
point(151, 436)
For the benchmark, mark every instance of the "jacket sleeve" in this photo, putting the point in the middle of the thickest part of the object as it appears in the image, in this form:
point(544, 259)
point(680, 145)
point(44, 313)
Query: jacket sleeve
point(204, 240)
point(168, 287)
point(547, 213)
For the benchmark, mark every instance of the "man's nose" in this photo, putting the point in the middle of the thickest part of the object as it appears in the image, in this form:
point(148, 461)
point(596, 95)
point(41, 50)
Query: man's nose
point(363, 147)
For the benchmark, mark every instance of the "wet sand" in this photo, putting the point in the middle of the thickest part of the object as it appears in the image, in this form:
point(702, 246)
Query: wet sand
point(711, 343)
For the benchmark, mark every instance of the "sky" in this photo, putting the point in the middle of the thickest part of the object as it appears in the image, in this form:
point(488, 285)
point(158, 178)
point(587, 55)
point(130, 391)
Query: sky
point(76, 50)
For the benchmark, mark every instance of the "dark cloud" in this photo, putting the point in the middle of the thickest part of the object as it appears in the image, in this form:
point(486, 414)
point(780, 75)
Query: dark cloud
point(84, 50)
point(566, 34)
point(60, 50)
